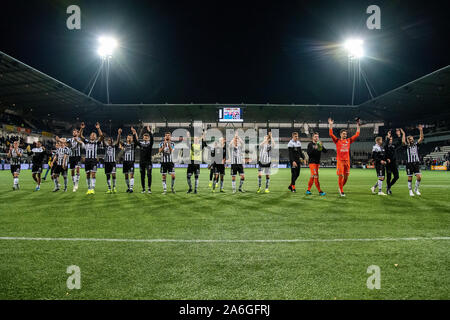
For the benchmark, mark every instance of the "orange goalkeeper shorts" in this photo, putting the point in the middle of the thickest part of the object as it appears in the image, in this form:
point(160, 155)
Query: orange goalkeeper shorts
point(314, 167)
point(343, 167)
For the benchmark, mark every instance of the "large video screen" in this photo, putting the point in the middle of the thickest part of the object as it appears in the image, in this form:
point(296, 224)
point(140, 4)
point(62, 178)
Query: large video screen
point(230, 114)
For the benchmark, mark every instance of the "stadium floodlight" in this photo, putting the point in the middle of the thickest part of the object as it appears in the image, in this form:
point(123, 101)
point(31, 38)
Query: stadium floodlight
point(107, 47)
point(354, 48)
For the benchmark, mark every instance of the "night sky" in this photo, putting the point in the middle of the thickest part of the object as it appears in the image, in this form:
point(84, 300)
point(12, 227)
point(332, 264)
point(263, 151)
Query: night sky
point(228, 51)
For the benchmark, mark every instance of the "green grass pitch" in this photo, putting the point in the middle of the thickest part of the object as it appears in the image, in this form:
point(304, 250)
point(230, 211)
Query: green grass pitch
point(410, 269)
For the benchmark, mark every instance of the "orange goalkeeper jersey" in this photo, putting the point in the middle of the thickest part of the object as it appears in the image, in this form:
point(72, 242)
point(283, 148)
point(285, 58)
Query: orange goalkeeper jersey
point(343, 146)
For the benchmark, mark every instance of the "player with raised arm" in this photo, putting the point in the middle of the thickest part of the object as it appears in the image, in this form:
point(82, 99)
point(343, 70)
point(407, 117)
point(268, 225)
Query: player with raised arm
point(91, 147)
point(196, 145)
point(110, 162)
point(237, 162)
point(15, 154)
point(61, 161)
point(413, 160)
point(265, 161)
point(343, 153)
point(38, 154)
point(314, 151)
point(380, 160)
point(219, 156)
point(167, 166)
point(391, 145)
point(75, 158)
point(145, 161)
point(129, 148)
point(296, 157)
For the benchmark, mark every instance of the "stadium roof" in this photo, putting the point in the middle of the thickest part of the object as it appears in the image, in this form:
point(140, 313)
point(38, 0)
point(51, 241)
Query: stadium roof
point(427, 98)
point(35, 94)
point(25, 89)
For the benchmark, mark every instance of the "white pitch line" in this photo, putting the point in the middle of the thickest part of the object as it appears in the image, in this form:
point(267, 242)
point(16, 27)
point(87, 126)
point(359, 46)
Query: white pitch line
point(226, 240)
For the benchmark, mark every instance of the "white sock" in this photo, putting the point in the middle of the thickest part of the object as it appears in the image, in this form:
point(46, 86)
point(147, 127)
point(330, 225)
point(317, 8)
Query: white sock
point(221, 184)
point(233, 184)
point(241, 183)
point(93, 183)
point(88, 182)
point(173, 182)
point(16, 181)
point(108, 181)
point(114, 182)
point(56, 183)
point(410, 185)
point(164, 185)
point(380, 185)
point(131, 183)
point(417, 184)
point(196, 182)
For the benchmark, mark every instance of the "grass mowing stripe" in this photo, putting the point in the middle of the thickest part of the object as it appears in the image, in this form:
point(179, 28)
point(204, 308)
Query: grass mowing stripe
point(225, 240)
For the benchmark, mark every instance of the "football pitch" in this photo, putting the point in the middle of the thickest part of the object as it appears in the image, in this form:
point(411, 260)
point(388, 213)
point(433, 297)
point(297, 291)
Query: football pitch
point(279, 245)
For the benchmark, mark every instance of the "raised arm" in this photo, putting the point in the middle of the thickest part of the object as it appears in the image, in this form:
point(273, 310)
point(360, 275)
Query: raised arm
point(358, 130)
point(403, 137)
point(330, 126)
point(135, 136)
point(119, 132)
point(82, 126)
point(100, 132)
point(420, 127)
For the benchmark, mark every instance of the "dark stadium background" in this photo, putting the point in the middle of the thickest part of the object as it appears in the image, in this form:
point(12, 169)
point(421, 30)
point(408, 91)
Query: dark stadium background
point(227, 52)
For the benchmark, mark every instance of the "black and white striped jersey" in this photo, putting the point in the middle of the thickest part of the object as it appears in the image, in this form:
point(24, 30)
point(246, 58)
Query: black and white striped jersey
point(16, 156)
point(91, 148)
point(236, 153)
point(110, 154)
point(265, 153)
point(129, 149)
point(60, 153)
point(412, 153)
point(75, 147)
point(166, 155)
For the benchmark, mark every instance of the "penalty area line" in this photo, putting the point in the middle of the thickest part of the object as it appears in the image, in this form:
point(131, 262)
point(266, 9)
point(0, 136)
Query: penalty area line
point(223, 240)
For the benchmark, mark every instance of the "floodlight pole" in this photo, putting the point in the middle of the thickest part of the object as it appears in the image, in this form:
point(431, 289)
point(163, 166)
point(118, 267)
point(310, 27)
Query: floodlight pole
point(95, 78)
point(107, 79)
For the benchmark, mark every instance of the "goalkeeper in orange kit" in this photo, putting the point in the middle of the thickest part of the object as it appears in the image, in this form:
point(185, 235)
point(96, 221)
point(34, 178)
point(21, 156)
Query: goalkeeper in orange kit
point(343, 153)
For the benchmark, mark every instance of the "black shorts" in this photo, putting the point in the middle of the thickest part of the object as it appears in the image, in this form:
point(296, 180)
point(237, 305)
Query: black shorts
point(90, 165)
point(193, 169)
point(237, 168)
point(110, 167)
point(15, 168)
point(145, 165)
point(264, 168)
point(381, 170)
point(60, 170)
point(412, 169)
point(128, 167)
point(167, 167)
point(219, 168)
point(36, 168)
point(74, 162)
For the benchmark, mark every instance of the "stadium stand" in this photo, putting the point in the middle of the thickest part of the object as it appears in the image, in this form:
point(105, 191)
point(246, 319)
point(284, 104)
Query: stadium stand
point(35, 105)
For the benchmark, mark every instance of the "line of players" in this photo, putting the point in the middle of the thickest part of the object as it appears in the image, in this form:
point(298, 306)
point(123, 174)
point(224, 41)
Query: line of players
point(68, 155)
